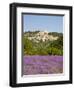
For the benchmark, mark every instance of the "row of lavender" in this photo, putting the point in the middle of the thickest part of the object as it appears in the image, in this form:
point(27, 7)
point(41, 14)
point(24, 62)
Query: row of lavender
point(42, 64)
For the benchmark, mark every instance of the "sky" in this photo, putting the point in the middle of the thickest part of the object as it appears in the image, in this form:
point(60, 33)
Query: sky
point(50, 23)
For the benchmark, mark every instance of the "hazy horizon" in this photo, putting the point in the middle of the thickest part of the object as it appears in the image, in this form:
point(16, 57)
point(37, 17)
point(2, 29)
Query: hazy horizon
point(43, 31)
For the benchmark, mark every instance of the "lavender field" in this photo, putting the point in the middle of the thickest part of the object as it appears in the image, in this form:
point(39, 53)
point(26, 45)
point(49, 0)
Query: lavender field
point(42, 64)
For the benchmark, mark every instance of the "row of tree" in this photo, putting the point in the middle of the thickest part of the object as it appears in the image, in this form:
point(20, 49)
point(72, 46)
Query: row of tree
point(43, 48)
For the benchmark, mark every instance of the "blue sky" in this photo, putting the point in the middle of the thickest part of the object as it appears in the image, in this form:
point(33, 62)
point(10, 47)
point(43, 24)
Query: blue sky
point(43, 23)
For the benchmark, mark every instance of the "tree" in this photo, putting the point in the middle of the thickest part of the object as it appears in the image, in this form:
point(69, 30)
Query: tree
point(27, 46)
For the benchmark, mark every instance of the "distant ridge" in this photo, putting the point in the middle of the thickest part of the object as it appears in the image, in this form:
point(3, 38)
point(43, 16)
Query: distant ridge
point(37, 36)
